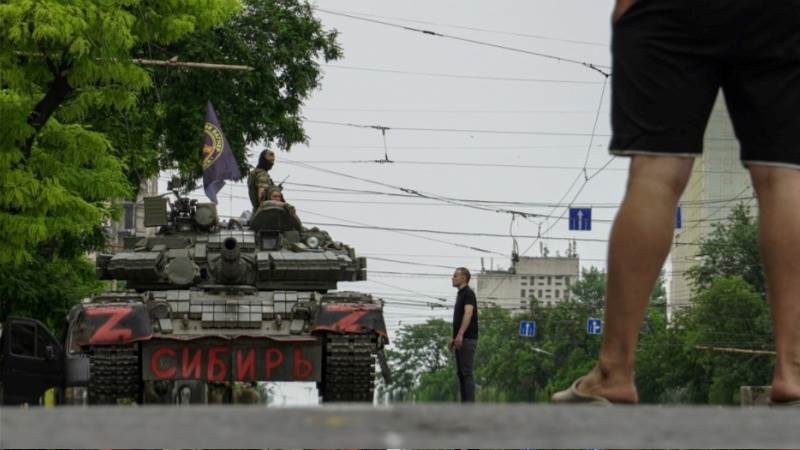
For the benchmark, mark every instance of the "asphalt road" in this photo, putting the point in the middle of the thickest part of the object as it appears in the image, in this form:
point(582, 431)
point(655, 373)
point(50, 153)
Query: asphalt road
point(403, 426)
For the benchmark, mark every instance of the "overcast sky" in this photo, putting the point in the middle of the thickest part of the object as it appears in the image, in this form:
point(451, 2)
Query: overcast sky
point(532, 119)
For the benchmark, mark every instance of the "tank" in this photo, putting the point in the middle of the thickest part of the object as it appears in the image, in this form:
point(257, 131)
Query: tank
point(205, 310)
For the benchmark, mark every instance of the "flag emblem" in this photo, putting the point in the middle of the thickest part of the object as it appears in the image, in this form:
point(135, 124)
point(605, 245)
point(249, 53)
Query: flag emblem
point(219, 164)
point(213, 144)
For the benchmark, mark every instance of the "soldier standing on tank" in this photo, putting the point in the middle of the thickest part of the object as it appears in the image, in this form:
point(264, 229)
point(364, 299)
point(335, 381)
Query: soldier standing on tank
point(259, 181)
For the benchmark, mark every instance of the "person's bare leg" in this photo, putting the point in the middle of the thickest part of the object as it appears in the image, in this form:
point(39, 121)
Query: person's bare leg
point(639, 244)
point(778, 191)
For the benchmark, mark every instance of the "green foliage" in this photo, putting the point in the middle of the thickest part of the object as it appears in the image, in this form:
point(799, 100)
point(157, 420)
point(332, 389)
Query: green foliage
point(730, 314)
point(418, 350)
point(280, 39)
point(679, 363)
point(731, 250)
point(591, 288)
point(63, 187)
point(667, 369)
point(59, 62)
point(46, 288)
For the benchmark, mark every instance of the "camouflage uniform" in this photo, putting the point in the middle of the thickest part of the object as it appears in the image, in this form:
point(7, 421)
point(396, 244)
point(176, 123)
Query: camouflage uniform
point(258, 179)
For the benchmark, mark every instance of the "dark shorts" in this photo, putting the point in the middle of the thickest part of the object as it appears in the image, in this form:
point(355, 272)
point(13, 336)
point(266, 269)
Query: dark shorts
point(671, 57)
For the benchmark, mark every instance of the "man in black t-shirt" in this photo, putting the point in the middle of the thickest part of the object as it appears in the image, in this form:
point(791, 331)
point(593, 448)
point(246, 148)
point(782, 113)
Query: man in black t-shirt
point(465, 333)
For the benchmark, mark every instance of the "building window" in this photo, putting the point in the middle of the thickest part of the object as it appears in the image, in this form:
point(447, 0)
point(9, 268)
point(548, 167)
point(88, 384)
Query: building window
point(533, 279)
point(558, 293)
point(557, 281)
point(566, 295)
point(523, 282)
point(540, 294)
point(567, 280)
point(522, 293)
point(549, 280)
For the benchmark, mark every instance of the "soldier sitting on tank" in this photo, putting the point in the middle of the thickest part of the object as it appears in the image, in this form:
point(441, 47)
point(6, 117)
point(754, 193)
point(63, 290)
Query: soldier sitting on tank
point(259, 180)
point(275, 196)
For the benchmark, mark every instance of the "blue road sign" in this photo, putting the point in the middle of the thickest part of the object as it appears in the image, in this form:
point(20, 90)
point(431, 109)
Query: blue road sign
point(678, 219)
point(527, 328)
point(594, 326)
point(580, 219)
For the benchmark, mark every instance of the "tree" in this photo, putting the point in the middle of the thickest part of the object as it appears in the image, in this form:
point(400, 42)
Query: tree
point(280, 39)
point(60, 61)
point(731, 249)
point(46, 289)
point(591, 288)
point(507, 366)
point(730, 314)
point(417, 351)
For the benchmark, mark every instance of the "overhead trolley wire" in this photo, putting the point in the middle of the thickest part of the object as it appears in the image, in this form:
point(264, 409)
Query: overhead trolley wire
point(482, 30)
point(592, 66)
point(455, 244)
point(698, 204)
point(454, 111)
point(586, 177)
point(720, 208)
point(465, 164)
point(437, 298)
point(412, 263)
point(452, 130)
point(456, 233)
point(415, 192)
point(344, 190)
point(464, 77)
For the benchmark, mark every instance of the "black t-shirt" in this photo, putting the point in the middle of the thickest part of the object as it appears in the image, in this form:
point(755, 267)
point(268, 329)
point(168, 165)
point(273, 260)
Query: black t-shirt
point(466, 297)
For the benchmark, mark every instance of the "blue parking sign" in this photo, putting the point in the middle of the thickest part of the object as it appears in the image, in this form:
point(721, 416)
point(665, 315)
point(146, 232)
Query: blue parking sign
point(594, 326)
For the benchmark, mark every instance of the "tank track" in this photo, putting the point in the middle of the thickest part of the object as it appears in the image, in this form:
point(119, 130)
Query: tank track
point(114, 375)
point(349, 368)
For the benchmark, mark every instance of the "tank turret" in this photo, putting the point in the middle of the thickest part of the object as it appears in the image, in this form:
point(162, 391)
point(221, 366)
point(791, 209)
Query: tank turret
point(272, 251)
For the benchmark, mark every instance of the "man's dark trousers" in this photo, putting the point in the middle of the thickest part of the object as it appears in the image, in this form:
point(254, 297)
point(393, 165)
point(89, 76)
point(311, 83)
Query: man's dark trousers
point(464, 362)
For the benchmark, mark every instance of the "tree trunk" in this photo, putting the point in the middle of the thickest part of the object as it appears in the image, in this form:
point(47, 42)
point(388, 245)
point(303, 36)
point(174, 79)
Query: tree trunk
point(59, 91)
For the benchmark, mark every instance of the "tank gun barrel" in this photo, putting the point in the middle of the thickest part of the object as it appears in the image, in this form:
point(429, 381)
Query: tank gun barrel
point(231, 254)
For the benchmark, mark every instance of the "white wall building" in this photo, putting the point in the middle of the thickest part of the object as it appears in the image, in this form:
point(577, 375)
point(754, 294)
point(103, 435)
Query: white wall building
point(548, 279)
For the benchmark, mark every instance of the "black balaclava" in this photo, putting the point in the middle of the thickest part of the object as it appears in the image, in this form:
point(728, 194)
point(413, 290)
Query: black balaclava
point(263, 162)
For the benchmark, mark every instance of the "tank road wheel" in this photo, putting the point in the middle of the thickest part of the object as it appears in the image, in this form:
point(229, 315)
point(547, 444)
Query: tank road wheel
point(348, 371)
point(114, 375)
